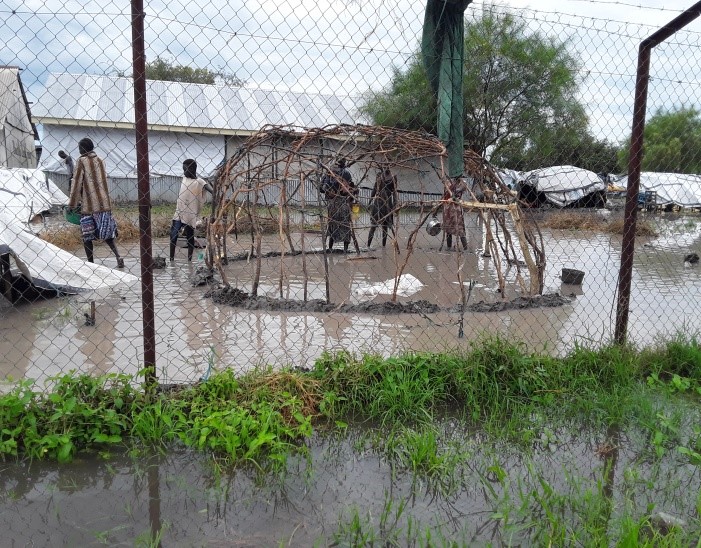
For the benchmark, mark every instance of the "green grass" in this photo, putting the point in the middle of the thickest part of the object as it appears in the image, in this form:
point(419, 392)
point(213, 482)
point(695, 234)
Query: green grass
point(497, 386)
point(423, 414)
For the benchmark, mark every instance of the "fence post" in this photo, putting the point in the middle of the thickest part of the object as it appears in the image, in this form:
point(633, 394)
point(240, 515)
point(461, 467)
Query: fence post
point(142, 170)
point(625, 274)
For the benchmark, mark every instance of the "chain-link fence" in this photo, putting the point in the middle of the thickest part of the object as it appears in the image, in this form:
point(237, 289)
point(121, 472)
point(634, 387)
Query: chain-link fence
point(280, 252)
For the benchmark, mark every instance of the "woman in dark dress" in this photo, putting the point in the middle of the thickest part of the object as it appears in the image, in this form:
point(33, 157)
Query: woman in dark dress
point(339, 189)
point(383, 204)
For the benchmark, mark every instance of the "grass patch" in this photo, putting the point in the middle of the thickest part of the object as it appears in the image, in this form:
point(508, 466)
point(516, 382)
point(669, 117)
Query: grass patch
point(570, 219)
point(497, 386)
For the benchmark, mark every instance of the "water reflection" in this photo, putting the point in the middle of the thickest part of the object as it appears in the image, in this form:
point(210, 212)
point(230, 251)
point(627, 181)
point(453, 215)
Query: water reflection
point(181, 499)
point(42, 339)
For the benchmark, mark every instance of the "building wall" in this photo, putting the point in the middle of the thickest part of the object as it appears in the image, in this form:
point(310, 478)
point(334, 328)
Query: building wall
point(167, 149)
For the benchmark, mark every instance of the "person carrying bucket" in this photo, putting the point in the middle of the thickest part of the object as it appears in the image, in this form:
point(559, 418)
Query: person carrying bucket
point(89, 189)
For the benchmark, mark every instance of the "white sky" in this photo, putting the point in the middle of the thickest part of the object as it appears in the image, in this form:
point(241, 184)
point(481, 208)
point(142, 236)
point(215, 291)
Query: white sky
point(347, 46)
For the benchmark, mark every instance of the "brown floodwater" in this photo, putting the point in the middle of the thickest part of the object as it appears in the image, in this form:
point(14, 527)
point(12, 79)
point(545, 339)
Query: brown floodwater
point(124, 499)
point(195, 334)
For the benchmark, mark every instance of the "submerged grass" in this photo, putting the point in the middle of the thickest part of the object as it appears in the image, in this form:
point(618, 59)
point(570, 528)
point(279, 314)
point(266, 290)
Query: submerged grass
point(497, 386)
point(569, 219)
point(127, 217)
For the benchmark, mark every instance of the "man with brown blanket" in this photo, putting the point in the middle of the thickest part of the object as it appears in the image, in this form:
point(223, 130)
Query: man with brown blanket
point(89, 189)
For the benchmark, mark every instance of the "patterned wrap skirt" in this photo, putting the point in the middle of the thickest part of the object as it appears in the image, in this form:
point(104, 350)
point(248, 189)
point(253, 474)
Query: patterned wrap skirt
point(98, 226)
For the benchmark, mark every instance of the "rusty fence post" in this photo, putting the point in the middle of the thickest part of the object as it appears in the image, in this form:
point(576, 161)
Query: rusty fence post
point(142, 169)
point(625, 273)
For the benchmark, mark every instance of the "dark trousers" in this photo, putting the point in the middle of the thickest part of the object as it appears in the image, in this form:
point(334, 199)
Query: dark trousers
point(189, 235)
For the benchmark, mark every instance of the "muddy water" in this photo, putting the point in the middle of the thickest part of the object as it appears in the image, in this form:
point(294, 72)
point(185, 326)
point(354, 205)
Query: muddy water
point(195, 334)
point(121, 500)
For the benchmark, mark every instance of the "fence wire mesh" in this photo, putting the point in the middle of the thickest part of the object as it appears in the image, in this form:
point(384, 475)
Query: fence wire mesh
point(269, 99)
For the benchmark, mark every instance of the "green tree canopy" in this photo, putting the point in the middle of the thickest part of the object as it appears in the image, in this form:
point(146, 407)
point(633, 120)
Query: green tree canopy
point(520, 96)
point(163, 69)
point(671, 143)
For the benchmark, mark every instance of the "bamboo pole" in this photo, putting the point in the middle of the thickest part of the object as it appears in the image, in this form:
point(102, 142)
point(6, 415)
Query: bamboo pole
point(532, 268)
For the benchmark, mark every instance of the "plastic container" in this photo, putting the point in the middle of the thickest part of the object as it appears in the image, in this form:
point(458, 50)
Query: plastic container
point(72, 215)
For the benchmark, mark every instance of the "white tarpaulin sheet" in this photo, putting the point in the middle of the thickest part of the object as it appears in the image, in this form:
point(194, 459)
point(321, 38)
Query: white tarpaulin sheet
point(25, 193)
point(407, 286)
point(671, 188)
point(40, 260)
point(564, 185)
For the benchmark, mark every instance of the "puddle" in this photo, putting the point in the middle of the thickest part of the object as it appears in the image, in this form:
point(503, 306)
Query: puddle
point(194, 331)
point(121, 500)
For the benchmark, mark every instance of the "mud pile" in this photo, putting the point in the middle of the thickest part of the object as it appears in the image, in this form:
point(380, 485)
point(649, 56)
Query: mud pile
point(234, 296)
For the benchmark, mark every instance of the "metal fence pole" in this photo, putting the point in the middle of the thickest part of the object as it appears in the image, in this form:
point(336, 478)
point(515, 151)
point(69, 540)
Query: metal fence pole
point(142, 169)
point(625, 274)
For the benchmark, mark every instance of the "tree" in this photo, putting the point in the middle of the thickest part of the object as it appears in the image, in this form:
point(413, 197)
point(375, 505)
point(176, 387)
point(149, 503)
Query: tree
point(163, 69)
point(520, 92)
point(671, 143)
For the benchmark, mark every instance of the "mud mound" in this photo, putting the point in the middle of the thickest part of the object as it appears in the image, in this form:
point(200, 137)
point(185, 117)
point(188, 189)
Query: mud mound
point(546, 301)
point(234, 296)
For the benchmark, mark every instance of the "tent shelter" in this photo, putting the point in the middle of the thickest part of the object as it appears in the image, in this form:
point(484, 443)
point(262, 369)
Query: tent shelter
point(43, 268)
point(676, 189)
point(25, 193)
point(17, 133)
point(562, 186)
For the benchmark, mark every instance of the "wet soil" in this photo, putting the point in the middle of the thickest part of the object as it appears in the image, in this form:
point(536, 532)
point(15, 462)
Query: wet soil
point(234, 296)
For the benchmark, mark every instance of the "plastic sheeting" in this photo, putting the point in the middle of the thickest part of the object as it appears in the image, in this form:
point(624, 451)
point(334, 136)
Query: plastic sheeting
point(672, 188)
point(16, 132)
point(24, 193)
point(564, 185)
point(407, 286)
point(40, 261)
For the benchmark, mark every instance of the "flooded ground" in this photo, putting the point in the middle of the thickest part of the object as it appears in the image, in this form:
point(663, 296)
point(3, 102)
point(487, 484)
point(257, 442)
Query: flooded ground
point(493, 495)
point(195, 334)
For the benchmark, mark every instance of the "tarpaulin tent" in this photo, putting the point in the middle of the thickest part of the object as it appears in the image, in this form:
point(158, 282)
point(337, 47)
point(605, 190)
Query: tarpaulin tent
point(49, 267)
point(683, 190)
point(443, 52)
point(562, 186)
point(17, 133)
point(24, 193)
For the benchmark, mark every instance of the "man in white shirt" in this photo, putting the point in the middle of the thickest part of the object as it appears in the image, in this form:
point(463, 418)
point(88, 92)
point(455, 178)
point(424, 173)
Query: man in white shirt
point(188, 208)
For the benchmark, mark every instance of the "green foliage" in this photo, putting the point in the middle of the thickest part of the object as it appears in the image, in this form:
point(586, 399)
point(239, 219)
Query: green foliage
point(671, 143)
point(520, 98)
point(263, 416)
point(169, 71)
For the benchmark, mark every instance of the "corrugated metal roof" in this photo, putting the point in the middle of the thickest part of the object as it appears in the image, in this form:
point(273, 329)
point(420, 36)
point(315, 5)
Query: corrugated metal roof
point(110, 100)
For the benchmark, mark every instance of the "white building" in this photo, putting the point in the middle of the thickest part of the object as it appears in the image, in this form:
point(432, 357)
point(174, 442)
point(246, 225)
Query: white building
point(185, 121)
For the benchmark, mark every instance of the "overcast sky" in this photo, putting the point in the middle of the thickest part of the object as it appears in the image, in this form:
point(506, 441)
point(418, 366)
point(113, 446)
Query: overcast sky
point(345, 46)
